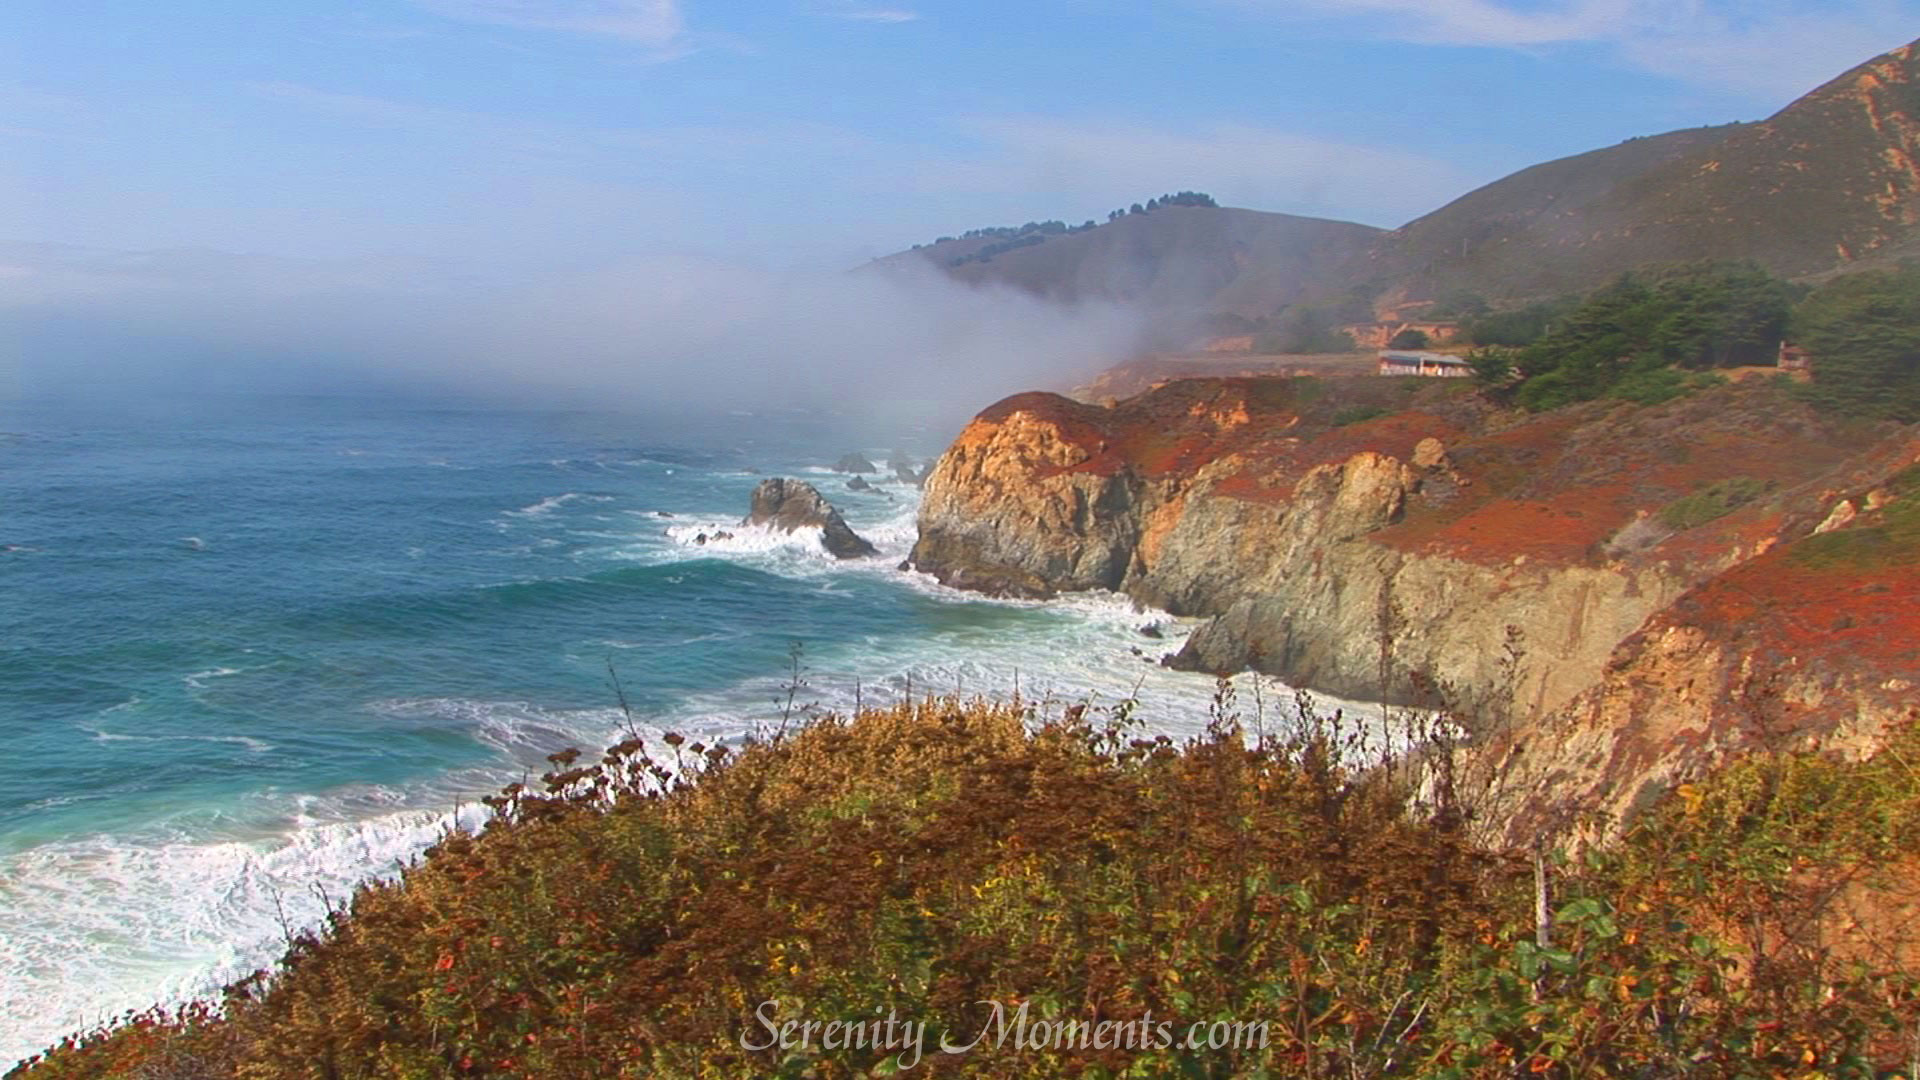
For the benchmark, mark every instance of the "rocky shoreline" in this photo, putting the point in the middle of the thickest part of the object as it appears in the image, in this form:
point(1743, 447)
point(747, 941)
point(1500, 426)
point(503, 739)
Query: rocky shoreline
point(1511, 569)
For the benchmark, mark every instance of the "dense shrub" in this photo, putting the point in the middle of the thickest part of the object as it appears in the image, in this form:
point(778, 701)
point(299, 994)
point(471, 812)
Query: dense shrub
point(1863, 331)
point(1634, 339)
point(1354, 414)
point(923, 858)
point(1517, 326)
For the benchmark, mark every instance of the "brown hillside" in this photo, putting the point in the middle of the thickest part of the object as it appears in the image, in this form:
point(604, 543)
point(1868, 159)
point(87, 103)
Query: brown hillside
point(1181, 258)
point(1828, 182)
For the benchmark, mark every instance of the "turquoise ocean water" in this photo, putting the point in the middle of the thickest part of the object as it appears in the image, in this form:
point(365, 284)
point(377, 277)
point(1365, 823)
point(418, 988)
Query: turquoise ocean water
point(254, 651)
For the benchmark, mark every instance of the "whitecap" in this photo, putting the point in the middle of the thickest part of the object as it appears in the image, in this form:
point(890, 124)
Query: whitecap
point(198, 680)
point(554, 502)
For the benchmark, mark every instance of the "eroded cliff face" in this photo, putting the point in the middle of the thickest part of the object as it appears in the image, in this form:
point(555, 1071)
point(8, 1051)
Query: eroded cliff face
point(1441, 552)
point(1015, 511)
point(1812, 646)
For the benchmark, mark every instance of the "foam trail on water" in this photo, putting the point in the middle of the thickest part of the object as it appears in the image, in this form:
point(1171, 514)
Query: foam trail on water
point(554, 502)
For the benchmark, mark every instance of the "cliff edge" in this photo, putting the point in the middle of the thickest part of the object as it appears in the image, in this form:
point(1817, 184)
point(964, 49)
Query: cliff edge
point(1388, 539)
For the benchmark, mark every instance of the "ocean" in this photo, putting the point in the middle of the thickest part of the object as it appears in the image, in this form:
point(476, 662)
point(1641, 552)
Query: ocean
point(254, 651)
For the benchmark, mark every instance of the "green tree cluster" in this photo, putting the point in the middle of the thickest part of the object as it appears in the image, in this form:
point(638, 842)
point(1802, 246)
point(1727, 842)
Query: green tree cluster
point(1641, 337)
point(1518, 326)
point(1863, 331)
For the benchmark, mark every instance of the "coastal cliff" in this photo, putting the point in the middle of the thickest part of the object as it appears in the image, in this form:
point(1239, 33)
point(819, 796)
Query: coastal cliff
point(1812, 646)
point(1384, 539)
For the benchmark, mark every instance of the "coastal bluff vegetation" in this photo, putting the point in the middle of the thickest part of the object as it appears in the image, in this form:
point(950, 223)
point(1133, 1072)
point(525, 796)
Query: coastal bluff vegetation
point(632, 915)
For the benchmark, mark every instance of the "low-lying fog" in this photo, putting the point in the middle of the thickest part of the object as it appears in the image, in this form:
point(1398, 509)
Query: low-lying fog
point(685, 334)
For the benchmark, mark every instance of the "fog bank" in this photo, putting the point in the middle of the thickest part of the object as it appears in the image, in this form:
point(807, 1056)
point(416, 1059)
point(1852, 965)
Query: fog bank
point(684, 334)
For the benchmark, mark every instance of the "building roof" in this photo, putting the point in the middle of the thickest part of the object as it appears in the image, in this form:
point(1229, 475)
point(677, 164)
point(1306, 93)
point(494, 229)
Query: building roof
point(1406, 356)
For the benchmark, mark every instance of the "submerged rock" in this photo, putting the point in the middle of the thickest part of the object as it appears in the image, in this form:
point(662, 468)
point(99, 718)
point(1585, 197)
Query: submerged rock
point(905, 470)
point(855, 463)
point(859, 483)
point(794, 504)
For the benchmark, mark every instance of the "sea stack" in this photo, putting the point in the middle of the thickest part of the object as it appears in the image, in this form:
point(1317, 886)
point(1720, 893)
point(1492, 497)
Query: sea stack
point(794, 504)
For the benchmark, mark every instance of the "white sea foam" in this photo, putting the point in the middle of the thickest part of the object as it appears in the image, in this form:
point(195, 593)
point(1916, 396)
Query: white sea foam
point(890, 530)
point(554, 502)
point(721, 538)
point(95, 926)
point(198, 680)
point(258, 746)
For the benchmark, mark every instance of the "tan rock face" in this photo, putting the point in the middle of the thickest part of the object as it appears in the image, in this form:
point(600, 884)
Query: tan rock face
point(1006, 511)
point(1679, 702)
point(1444, 530)
point(1430, 454)
point(1842, 516)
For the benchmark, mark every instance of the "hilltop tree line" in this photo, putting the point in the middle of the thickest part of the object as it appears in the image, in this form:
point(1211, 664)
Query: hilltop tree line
point(1652, 335)
point(1179, 198)
point(1012, 237)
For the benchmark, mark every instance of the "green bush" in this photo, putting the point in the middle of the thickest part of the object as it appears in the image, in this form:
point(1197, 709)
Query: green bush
point(1354, 414)
point(1712, 502)
point(1891, 541)
point(1863, 332)
point(1656, 386)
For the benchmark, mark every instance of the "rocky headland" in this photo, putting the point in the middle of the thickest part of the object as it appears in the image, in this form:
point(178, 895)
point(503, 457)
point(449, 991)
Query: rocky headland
point(1612, 589)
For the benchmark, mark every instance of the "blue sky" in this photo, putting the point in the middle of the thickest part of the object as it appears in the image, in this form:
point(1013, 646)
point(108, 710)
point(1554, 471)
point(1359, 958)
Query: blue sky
point(562, 133)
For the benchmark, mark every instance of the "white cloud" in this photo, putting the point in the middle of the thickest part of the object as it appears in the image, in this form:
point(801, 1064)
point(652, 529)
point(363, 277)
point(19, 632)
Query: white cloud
point(657, 24)
point(863, 13)
point(1771, 55)
point(1764, 49)
point(1479, 22)
point(881, 15)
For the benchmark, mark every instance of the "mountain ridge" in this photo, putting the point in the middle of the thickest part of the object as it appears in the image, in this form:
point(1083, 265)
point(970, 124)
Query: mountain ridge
point(1829, 182)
